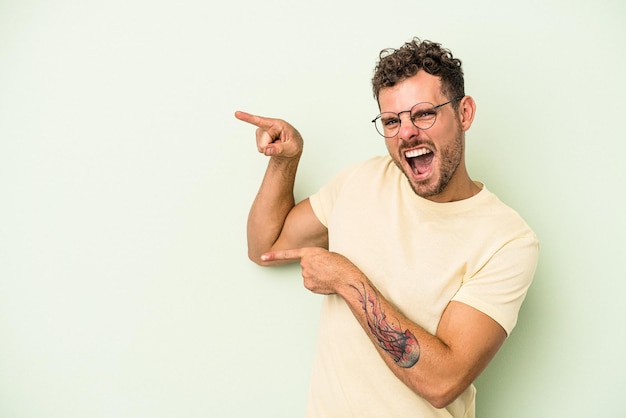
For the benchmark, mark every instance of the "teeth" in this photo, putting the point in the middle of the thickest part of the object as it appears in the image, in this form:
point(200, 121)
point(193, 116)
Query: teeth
point(416, 152)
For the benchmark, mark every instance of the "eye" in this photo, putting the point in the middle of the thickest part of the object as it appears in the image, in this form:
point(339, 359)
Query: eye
point(390, 122)
point(424, 114)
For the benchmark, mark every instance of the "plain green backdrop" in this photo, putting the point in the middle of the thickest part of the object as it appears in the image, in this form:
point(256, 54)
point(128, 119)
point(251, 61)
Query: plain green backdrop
point(125, 181)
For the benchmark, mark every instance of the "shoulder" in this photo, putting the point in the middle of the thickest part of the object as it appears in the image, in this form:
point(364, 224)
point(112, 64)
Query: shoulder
point(348, 184)
point(504, 216)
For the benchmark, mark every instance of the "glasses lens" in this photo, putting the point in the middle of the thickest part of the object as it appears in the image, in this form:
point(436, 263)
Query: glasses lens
point(423, 115)
point(387, 124)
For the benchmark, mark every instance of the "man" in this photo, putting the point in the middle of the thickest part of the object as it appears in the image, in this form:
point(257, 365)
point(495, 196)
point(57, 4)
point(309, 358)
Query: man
point(424, 269)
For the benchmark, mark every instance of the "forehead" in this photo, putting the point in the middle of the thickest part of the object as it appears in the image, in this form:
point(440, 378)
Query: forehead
point(422, 87)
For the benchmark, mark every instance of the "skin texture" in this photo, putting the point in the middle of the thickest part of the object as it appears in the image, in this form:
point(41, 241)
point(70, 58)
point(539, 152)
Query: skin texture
point(437, 367)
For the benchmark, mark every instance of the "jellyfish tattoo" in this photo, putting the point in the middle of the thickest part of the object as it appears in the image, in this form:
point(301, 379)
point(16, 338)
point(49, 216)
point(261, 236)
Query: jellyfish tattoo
point(403, 347)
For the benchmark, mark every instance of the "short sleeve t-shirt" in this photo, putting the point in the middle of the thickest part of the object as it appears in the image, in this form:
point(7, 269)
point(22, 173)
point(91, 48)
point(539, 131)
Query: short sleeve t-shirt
point(420, 255)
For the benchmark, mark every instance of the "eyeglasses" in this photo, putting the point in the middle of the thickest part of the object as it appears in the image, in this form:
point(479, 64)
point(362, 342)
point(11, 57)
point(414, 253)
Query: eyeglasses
point(423, 116)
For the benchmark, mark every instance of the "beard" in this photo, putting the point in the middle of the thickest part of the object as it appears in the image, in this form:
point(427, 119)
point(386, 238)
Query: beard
point(449, 159)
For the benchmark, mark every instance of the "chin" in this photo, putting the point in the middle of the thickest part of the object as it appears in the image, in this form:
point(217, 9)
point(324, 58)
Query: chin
point(426, 189)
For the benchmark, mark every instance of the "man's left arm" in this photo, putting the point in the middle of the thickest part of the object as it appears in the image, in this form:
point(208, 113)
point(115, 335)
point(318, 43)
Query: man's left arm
point(437, 367)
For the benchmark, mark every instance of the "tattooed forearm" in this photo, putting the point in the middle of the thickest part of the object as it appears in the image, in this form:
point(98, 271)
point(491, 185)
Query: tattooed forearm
point(403, 347)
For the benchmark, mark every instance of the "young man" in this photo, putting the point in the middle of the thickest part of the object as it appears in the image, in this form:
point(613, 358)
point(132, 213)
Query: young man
point(424, 270)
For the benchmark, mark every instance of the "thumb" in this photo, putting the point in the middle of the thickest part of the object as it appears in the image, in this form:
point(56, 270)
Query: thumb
point(274, 149)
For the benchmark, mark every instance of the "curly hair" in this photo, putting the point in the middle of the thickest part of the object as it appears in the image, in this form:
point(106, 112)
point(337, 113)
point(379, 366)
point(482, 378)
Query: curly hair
point(395, 65)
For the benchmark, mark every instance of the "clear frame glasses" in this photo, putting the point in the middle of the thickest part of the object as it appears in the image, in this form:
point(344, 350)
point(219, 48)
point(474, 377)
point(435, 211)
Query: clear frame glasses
point(423, 116)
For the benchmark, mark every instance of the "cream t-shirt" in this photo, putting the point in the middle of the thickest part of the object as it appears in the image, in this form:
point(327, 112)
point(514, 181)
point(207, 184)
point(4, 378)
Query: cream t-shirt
point(420, 255)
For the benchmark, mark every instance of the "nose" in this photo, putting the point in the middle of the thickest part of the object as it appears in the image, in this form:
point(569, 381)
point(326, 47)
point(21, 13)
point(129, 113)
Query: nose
point(407, 129)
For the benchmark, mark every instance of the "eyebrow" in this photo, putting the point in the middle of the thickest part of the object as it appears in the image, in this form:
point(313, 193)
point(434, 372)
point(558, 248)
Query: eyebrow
point(388, 115)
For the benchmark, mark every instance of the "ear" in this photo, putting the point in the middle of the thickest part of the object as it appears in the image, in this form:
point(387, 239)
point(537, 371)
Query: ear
point(467, 110)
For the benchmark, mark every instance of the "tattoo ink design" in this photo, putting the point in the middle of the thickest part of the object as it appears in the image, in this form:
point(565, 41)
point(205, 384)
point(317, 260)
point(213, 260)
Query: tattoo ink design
point(403, 347)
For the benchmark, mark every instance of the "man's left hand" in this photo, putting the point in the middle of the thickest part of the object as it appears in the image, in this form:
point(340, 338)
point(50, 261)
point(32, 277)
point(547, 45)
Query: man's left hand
point(324, 272)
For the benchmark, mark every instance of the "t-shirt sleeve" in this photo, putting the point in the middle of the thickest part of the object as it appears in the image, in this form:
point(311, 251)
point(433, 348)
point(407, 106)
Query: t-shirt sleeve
point(500, 286)
point(323, 201)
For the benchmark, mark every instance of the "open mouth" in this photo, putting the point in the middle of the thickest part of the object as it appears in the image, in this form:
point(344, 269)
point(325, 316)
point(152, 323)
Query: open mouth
point(419, 159)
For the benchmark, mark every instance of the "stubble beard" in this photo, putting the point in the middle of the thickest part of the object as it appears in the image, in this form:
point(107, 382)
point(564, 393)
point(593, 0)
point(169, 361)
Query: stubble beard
point(450, 158)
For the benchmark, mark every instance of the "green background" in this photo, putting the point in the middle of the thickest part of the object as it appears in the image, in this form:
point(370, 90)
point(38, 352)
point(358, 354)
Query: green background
point(125, 182)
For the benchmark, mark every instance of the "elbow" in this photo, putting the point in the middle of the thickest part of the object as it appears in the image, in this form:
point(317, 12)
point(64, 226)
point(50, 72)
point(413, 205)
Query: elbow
point(256, 261)
point(442, 396)
point(255, 253)
point(256, 258)
point(442, 401)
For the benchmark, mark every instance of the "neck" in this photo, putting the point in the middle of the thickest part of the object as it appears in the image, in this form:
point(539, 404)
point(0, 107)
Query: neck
point(460, 187)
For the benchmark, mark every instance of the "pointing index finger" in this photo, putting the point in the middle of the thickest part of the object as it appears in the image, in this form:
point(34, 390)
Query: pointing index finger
point(295, 254)
point(255, 120)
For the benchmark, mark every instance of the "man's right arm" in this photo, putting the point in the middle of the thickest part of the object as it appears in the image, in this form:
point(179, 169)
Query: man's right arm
point(275, 222)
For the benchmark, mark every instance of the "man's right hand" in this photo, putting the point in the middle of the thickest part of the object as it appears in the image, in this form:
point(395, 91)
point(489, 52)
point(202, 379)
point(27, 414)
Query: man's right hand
point(274, 137)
